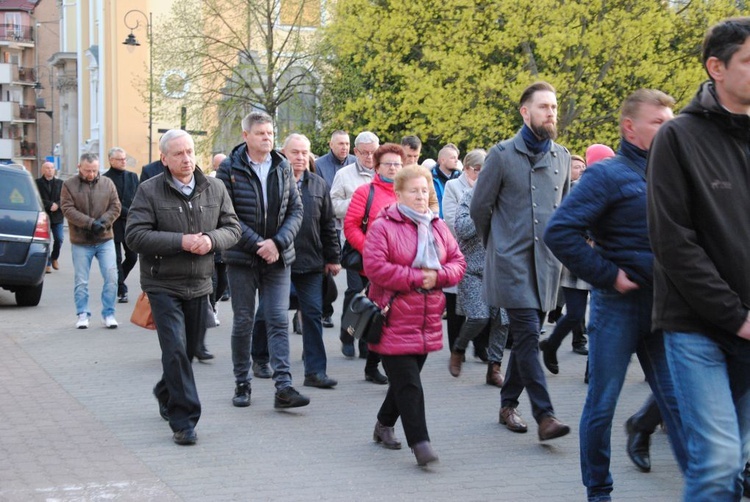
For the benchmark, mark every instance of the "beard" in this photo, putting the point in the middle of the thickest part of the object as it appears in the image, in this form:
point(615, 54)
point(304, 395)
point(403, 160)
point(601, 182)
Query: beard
point(544, 131)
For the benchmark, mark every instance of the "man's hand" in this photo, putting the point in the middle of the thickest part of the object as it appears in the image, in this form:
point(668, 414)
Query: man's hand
point(623, 284)
point(429, 278)
point(332, 268)
point(98, 227)
point(744, 331)
point(189, 241)
point(202, 245)
point(54, 207)
point(268, 251)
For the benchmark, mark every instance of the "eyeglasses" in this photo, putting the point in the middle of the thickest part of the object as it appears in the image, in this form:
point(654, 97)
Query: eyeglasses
point(391, 164)
point(364, 153)
point(474, 168)
point(119, 158)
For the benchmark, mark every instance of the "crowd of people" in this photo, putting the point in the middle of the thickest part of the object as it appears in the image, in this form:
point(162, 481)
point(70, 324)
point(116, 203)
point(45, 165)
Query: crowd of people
point(655, 232)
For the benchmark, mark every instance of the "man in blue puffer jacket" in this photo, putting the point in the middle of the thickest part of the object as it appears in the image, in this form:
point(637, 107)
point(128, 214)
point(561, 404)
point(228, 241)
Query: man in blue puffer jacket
point(609, 204)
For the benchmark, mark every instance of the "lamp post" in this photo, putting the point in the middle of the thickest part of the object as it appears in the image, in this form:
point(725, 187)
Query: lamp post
point(131, 42)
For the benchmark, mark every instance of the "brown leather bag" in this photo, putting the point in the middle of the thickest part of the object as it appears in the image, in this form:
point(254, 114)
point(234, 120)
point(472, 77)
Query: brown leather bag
point(142, 315)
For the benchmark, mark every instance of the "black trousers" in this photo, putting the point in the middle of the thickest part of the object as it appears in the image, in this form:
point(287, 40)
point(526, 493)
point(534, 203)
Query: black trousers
point(126, 257)
point(524, 368)
point(179, 325)
point(405, 397)
point(648, 417)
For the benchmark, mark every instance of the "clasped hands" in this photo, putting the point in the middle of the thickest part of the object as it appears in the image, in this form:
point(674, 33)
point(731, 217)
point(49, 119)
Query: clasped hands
point(199, 244)
point(268, 251)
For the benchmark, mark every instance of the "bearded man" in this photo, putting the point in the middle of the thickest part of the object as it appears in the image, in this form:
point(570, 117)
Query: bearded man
point(523, 181)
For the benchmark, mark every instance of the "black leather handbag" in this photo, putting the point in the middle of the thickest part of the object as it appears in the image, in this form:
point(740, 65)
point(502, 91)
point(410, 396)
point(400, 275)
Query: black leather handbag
point(351, 259)
point(364, 319)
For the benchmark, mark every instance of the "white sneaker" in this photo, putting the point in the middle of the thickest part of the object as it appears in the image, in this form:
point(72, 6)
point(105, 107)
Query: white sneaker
point(83, 321)
point(109, 322)
point(217, 322)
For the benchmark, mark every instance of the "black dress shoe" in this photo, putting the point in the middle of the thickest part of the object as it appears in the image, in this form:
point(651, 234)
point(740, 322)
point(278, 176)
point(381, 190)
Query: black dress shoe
point(185, 437)
point(320, 380)
point(204, 356)
point(123, 298)
point(581, 349)
point(262, 370)
point(549, 357)
point(376, 376)
point(163, 409)
point(327, 322)
point(638, 447)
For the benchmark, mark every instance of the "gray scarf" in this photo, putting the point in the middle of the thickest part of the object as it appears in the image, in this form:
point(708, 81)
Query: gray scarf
point(427, 256)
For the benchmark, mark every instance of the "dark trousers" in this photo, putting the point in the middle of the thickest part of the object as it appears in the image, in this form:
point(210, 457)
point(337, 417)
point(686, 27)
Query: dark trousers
point(524, 369)
point(405, 397)
point(454, 321)
point(648, 418)
point(179, 325)
point(124, 266)
point(575, 303)
point(219, 282)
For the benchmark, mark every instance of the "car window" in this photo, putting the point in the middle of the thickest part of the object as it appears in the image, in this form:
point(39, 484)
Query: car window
point(17, 192)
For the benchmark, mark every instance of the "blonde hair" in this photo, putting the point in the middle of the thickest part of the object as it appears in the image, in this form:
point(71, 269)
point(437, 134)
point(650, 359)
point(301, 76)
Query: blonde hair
point(408, 173)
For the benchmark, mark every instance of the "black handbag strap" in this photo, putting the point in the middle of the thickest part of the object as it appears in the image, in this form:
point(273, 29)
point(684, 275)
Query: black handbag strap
point(366, 218)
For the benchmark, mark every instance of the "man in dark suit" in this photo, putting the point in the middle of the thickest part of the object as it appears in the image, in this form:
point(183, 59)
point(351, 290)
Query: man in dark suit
point(49, 189)
point(126, 183)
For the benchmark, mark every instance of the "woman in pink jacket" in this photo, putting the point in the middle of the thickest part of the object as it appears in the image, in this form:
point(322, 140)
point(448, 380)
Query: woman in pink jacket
point(409, 256)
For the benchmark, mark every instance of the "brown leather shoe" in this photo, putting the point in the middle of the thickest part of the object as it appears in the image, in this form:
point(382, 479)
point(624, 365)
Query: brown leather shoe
point(55, 265)
point(386, 435)
point(495, 375)
point(551, 428)
point(48, 270)
point(511, 419)
point(454, 366)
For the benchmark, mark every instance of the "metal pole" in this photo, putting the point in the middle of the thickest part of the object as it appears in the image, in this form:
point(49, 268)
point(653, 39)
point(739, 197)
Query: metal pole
point(150, 87)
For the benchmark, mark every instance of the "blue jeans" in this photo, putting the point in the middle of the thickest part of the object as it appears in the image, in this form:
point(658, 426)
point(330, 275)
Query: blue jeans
point(180, 325)
point(620, 325)
point(272, 283)
point(309, 289)
point(524, 368)
point(57, 235)
point(713, 392)
point(82, 258)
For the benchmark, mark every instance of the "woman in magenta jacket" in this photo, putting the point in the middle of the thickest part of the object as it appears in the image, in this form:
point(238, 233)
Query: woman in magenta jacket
point(389, 159)
point(409, 256)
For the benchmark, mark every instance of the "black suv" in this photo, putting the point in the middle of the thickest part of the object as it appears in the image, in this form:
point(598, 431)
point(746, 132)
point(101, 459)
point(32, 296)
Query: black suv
point(24, 235)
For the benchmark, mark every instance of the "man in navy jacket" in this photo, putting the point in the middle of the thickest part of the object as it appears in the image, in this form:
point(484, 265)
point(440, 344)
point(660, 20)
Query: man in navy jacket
point(609, 204)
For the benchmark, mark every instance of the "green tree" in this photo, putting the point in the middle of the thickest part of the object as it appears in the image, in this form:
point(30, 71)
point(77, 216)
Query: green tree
point(453, 71)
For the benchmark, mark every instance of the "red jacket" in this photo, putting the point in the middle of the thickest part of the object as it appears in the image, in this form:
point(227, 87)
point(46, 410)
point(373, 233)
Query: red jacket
point(383, 196)
point(415, 321)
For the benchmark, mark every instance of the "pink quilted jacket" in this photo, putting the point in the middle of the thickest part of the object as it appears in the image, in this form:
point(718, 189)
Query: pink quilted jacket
point(415, 321)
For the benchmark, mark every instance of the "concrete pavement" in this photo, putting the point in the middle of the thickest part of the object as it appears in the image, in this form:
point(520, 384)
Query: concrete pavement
point(78, 423)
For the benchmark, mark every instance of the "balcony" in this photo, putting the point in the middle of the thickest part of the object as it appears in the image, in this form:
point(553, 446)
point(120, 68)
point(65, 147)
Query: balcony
point(16, 33)
point(12, 112)
point(12, 74)
point(15, 149)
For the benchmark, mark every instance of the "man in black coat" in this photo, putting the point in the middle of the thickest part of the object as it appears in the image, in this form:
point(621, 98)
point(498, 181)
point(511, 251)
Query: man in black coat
point(126, 183)
point(150, 170)
point(49, 189)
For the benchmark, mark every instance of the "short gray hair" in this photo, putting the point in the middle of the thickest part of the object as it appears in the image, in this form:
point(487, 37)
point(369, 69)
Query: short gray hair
point(366, 137)
point(169, 136)
point(253, 118)
point(475, 157)
point(88, 157)
point(294, 136)
point(114, 150)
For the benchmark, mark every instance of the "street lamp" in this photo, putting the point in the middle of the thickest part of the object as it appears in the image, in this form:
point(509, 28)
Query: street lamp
point(131, 42)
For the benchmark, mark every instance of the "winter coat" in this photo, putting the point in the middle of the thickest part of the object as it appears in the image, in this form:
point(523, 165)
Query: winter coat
point(514, 198)
point(345, 183)
point(83, 202)
point(280, 221)
point(126, 183)
point(383, 196)
point(454, 190)
point(415, 321)
point(49, 190)
point(328, 165)
point(160, 215)
point(316, 243)
point(698, 211)
point(439, 181)
point(610, 203)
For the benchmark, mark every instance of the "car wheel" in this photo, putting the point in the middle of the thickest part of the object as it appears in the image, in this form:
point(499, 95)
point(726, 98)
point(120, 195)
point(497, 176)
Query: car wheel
point(29, 296)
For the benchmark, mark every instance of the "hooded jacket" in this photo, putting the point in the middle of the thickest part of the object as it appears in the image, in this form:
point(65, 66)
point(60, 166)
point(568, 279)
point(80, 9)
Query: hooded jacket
point(83, 202)
point(414, 324)
point(698, 207)
point(280, 221)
